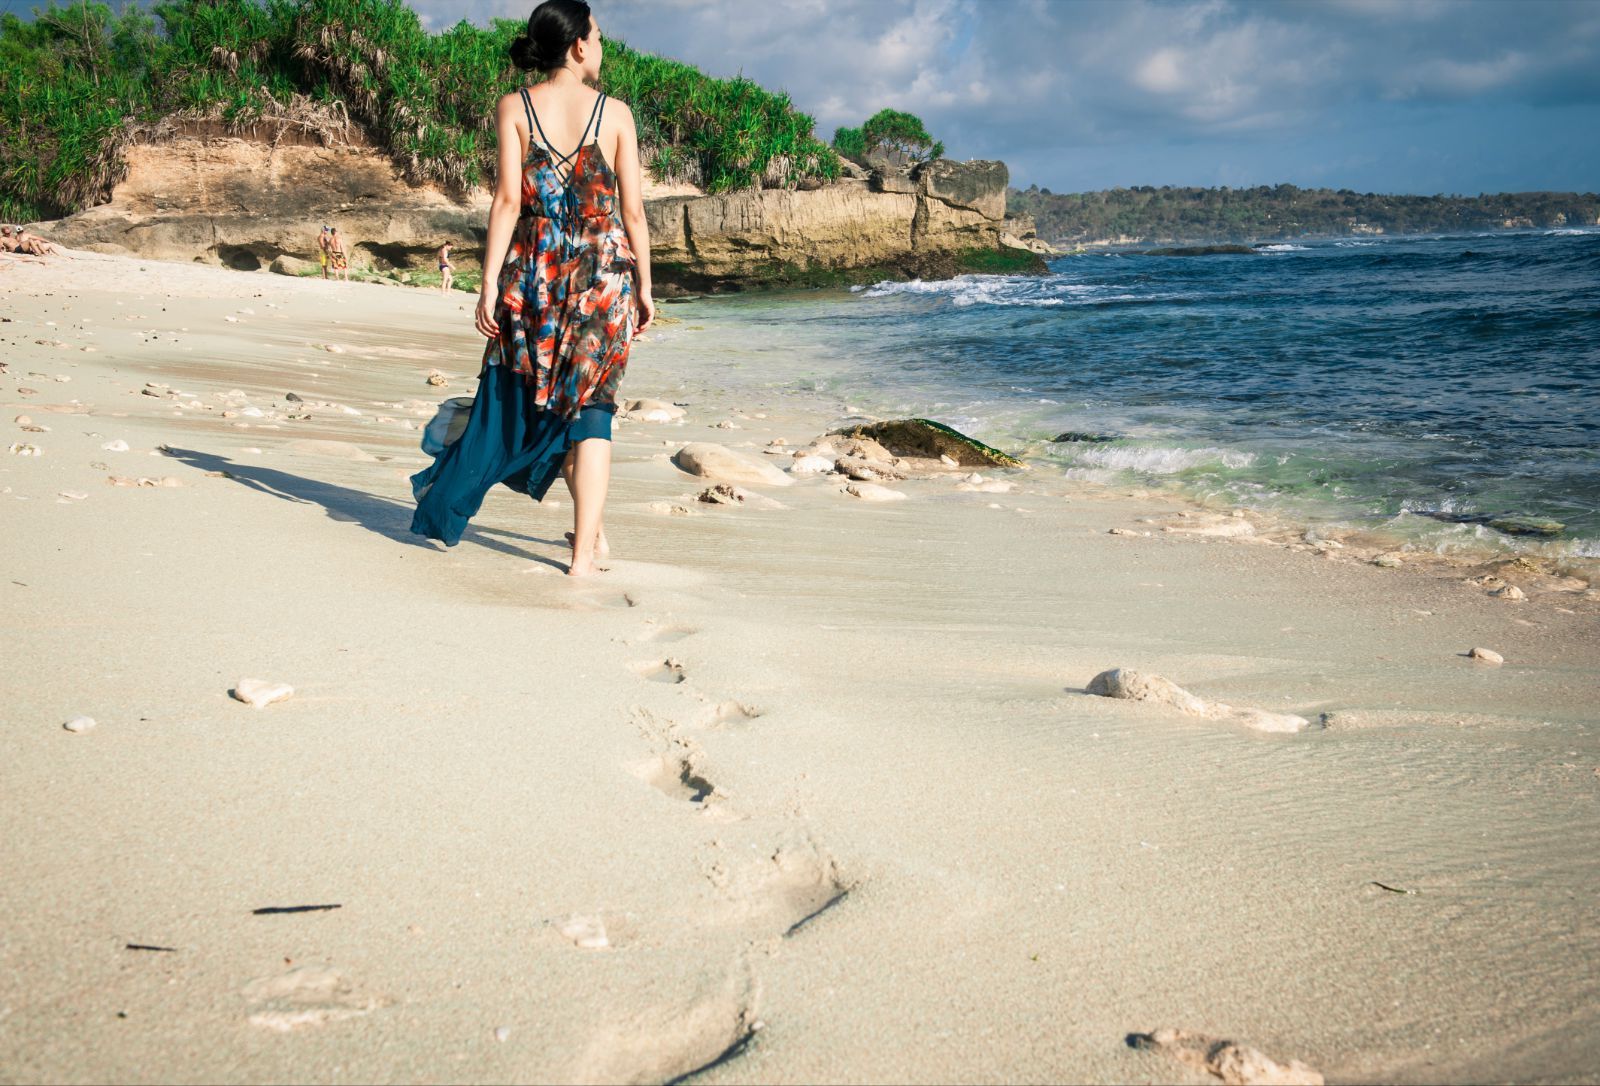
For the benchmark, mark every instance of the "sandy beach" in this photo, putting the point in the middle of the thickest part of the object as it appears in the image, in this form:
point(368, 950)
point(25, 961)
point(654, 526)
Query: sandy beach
point(803, 793)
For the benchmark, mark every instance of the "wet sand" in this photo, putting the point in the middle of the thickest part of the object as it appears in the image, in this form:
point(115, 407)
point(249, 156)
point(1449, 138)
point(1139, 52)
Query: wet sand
point(826, 774)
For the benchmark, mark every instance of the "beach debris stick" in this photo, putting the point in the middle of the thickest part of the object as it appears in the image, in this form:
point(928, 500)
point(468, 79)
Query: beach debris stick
point(276, 910)
point(148, 946)
point(1391, 889)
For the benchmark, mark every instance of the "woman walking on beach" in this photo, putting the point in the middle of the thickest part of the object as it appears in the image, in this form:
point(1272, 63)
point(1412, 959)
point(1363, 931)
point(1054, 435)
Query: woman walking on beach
point(566, 284)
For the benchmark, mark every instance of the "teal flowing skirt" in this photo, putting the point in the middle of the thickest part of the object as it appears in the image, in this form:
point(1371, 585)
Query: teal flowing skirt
point(508, 439)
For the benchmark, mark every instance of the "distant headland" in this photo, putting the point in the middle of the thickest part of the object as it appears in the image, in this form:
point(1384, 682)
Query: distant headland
point(1146, 215)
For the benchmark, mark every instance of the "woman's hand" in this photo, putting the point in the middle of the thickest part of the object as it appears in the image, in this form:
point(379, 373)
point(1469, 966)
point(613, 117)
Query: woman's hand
point(644, 311)
point(484, 318)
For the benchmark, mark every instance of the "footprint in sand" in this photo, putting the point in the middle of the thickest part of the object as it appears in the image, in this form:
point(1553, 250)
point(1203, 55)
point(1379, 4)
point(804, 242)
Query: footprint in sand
point(661, 671)
point(677, 1039)
point(662, 635)
point(675, 775)
point(783, 891)
point(307, 995)
point(726, 715)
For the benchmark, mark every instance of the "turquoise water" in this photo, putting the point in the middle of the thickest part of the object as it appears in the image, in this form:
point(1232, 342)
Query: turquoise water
point(1390, 383)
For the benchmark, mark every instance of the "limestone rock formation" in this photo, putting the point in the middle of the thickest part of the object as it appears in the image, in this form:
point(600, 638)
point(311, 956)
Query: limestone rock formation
point(202, 195)
point(198, 193)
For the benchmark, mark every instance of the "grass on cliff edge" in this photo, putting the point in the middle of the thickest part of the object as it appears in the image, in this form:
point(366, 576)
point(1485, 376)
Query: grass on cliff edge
point(79, 82)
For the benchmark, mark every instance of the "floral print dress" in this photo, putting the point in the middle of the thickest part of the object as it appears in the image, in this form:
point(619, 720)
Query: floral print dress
point(566, 314)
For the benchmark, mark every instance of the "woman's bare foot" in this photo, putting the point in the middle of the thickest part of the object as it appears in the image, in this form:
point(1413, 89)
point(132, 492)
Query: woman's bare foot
point(602, 547)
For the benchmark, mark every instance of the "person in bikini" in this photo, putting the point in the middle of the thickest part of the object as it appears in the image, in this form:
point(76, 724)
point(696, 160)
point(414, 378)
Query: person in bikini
point(445, 267)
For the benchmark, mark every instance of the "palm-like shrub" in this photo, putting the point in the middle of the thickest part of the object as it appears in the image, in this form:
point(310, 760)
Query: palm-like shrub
point(79, 82)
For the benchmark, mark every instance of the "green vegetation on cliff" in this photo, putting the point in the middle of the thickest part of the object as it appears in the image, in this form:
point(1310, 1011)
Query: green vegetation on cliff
point(901, 137)
point(78, 82)
point(1169, 215)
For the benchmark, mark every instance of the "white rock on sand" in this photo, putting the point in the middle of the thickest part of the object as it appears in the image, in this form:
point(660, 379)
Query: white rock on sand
point(259, 693)
point(1235, 1064)
point(872, 492)
point(713, 461)
point(586, 932)
point(1127, 684)
point(811, 465)
point(1510, 592)
point(79, 724)
point(652, 411)
point(725, 494)
point(1486, 656)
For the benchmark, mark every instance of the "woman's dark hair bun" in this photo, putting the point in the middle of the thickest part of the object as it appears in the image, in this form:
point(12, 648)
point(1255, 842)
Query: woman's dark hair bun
point(552, 28)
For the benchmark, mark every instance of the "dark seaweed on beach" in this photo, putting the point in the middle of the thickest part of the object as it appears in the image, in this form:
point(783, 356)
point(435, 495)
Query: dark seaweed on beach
point(1391, 889)
point(276, 910)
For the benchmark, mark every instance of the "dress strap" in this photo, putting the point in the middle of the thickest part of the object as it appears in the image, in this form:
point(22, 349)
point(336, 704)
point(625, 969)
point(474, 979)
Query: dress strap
point(565, 159)
point(600, 117)
point(527, 107)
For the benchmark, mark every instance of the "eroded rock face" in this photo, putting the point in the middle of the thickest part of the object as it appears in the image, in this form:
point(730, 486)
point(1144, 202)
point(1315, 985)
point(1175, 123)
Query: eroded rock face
point(252, 204)
point(979, 185)
point(245, 203)
point(907, 222)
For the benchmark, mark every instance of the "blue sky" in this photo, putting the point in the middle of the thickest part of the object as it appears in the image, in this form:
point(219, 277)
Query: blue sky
point(1417, 96)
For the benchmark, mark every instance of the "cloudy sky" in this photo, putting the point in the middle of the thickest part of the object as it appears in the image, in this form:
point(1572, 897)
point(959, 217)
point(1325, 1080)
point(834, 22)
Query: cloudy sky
point(1376, 95)
point(1418, 96)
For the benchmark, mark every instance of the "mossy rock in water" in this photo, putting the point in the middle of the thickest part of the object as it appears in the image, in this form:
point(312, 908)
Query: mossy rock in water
point(924, 437)
point(1081, 435)
point(1527, 525)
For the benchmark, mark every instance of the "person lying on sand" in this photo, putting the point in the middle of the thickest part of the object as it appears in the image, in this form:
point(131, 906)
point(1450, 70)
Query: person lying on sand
point(14, 239)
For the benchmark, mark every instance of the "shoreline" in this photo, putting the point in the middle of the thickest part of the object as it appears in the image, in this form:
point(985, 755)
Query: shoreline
point(825, 774)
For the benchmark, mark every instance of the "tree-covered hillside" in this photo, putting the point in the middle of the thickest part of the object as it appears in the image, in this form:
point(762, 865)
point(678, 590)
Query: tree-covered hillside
point(78, 82)
point(1169, 215)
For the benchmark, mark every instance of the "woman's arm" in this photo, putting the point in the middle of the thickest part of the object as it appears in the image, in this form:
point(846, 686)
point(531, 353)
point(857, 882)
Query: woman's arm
point(631, 185)
point(503, 211)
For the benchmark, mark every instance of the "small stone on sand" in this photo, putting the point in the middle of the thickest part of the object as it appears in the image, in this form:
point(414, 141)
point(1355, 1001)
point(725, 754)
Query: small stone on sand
point(437, 379)
point(1486, 656)
point(22, 448)
point(1389, 561)
point(502, 1034)
point(1509, 592)
point(586, 932)
point(872, 492)
point(79, 724)
point(811, 465)
point(115, 446)
point(259, 693)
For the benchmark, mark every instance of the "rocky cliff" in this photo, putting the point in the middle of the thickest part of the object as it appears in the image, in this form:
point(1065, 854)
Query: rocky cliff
point(220, 199)
point(252, 203)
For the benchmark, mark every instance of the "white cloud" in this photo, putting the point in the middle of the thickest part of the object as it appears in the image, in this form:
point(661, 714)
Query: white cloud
point(1031, 79)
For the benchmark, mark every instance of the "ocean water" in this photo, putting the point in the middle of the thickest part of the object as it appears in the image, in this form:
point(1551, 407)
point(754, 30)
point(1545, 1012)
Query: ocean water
point(1397, 384)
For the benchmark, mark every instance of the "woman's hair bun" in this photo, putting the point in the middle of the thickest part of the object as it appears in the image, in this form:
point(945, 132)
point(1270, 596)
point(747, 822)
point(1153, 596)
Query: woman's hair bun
point(523, 53)
point(552, 28)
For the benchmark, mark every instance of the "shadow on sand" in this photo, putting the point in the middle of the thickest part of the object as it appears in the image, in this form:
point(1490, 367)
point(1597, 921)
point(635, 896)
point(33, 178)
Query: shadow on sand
point(388, 518)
